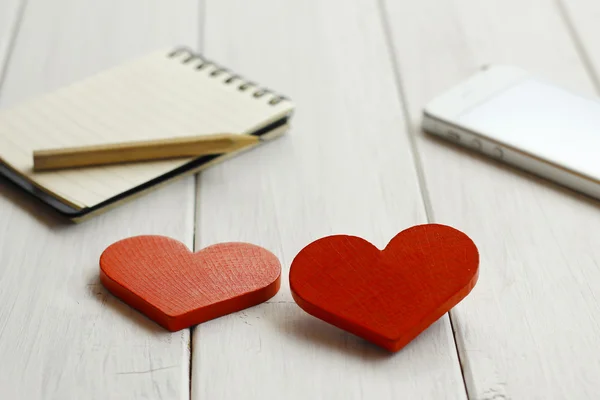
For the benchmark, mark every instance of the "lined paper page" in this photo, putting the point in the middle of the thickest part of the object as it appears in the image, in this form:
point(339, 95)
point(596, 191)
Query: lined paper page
point(155, 97)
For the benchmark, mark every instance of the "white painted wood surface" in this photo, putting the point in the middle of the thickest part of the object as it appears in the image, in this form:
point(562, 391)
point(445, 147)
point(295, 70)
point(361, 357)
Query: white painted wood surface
point(530, 328)
point(581, 17)
point(528, 331)
point(346, 167)
point(61, 335)
point(276, 351)
point(10, 13)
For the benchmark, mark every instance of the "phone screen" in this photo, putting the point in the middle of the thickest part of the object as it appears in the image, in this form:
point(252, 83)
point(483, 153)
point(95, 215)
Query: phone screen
point(543, 120)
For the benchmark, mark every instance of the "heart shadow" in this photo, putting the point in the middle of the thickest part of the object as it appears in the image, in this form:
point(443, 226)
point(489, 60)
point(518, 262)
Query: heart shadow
point(108, 300)
point(314, 332)
point(310, 330)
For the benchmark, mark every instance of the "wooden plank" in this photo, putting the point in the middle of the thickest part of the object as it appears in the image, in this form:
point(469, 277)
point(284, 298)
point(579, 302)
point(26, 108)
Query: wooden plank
point(61, 334)
point(527, 329)
point(346, 167)
point(277, 351)
point(10, 16)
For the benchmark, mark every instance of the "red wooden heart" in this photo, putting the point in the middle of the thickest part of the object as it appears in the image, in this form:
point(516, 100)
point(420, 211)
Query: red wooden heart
point(385, 296)
point(176, 288)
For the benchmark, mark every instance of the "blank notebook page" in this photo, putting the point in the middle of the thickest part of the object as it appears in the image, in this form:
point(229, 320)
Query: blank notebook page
point(157, 97)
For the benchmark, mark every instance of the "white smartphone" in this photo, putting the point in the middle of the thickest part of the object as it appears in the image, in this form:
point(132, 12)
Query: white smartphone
point(512, 116)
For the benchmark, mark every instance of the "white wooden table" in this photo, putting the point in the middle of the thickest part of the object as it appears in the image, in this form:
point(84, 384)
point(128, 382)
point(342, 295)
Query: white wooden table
point(355, 162)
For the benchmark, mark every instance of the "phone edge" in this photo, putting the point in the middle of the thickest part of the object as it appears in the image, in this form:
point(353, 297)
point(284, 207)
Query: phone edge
point(512, 156)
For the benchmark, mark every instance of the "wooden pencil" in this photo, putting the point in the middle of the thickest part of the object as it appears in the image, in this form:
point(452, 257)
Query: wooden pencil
point(117, 153)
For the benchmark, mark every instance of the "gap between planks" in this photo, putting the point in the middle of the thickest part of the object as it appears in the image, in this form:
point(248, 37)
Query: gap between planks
point(403, 99)
point(196, 197)
point(578, 44)
point(12, 40)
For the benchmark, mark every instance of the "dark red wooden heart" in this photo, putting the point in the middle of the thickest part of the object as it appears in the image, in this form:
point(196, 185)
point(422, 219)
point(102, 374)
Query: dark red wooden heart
point(385, 296)
point(176, 288)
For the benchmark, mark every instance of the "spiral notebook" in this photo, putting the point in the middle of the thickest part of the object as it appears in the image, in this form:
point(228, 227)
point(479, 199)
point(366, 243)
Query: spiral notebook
point(167, 94)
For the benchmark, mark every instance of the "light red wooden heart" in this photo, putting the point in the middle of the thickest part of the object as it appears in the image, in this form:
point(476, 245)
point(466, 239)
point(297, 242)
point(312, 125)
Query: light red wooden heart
point(160, 277)
point(385, 296)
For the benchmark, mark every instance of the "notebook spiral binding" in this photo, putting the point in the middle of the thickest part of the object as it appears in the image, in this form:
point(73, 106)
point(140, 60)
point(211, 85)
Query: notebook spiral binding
point(188, 56)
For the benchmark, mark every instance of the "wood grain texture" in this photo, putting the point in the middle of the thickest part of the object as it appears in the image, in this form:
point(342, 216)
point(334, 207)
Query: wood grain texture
point(62, 336)
point(387, 296)
point(527, 331)
point(345, 167)
point(176, 288)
